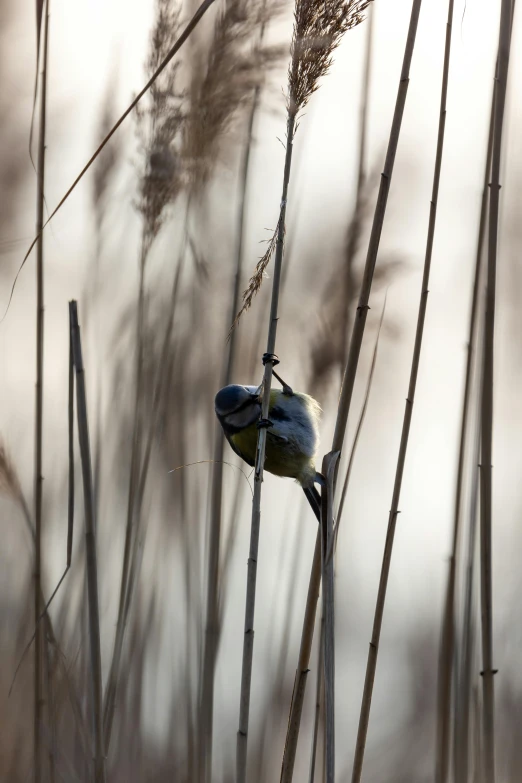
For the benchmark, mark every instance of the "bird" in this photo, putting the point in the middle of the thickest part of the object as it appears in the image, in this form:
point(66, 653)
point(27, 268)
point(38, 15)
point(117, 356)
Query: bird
point(292, 432)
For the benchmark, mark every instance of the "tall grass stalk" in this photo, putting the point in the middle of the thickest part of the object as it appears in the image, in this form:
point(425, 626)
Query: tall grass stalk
point(329, 469)
point(212, 622)
point(346, 394)
point(113, 679)
point(383, 582)
point(38, 477)
point(466, 672)
point(446, 654)
point(248, 644)
point(90, 546)
point(319, 691)
point(159, 126)
point(487, 397)
point(317, 31)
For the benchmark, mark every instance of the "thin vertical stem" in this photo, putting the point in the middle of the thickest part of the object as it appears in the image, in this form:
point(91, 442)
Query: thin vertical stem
point(383, 582)
point(38, 477)
point(462, 718)
point(212, 623)
point(110, 693)
point(466, 675)
point(90, 547)
point(248, 643)
point(487, 398)
point(319, 691)
point(350, 372)
point(329, 470)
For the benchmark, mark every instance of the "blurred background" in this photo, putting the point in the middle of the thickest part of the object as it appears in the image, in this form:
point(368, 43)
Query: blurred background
point(159, 211)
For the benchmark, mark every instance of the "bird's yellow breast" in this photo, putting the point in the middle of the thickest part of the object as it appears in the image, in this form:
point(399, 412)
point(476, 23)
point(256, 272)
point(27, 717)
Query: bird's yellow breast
point(280, 458)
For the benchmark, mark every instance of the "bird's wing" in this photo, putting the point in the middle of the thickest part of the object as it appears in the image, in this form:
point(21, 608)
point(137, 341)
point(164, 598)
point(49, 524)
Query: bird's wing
point(276, 437)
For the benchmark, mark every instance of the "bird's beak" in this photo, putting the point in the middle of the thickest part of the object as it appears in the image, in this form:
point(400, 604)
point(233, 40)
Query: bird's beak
point(256, 396)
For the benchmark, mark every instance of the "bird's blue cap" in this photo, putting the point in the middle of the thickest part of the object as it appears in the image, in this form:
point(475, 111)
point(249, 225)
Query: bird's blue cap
point(230, 398)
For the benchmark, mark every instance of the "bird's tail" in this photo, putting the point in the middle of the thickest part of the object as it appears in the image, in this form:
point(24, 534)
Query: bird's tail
point(314, 499)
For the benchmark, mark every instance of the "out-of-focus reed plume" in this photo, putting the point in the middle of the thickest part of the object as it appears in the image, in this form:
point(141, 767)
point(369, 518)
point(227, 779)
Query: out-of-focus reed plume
point(221, 82)
point(159, 125)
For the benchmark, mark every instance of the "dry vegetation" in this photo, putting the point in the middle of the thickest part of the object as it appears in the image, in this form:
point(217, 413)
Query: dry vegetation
point(127, 675)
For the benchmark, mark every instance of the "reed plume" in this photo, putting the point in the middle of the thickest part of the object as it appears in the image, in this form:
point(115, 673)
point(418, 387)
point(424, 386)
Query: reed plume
point(317, 32)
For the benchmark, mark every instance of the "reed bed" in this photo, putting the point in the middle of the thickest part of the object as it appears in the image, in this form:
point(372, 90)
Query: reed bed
point(138, 654)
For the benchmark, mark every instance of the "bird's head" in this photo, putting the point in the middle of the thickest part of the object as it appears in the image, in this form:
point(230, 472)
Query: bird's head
point(238, 406)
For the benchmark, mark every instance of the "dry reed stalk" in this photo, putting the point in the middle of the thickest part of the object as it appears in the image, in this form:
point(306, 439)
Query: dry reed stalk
point(466, 669)
point(159, 126)
point(319, 696)
point(51, 712)
point(461, 741)
point(329, 469)
point(113, 678)
point(214, 592)
point(38, 477)
point(131, 551)
point(304, 72)
point(318, 29)
point(303, 664)
point(347, 391)
point(383, 582)
point(446, 655)
point(487, 397)
point(90, 546)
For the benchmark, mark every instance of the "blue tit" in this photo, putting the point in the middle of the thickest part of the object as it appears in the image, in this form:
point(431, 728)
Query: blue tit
point(292, 436)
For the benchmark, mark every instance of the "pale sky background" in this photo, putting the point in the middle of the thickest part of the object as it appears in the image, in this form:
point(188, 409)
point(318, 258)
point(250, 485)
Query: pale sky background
point(91, 40)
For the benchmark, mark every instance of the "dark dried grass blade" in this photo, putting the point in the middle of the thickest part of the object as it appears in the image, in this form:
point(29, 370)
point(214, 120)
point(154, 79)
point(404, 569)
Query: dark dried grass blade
point(256, 280)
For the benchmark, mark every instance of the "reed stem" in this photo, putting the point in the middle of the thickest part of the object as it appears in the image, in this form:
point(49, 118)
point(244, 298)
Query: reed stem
point(212, 623)
point(90, 547)
point(248, 644)
point(350, 372)
point(383, 582)
point(38, 477)
point(446, 660)
point(487, 398)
